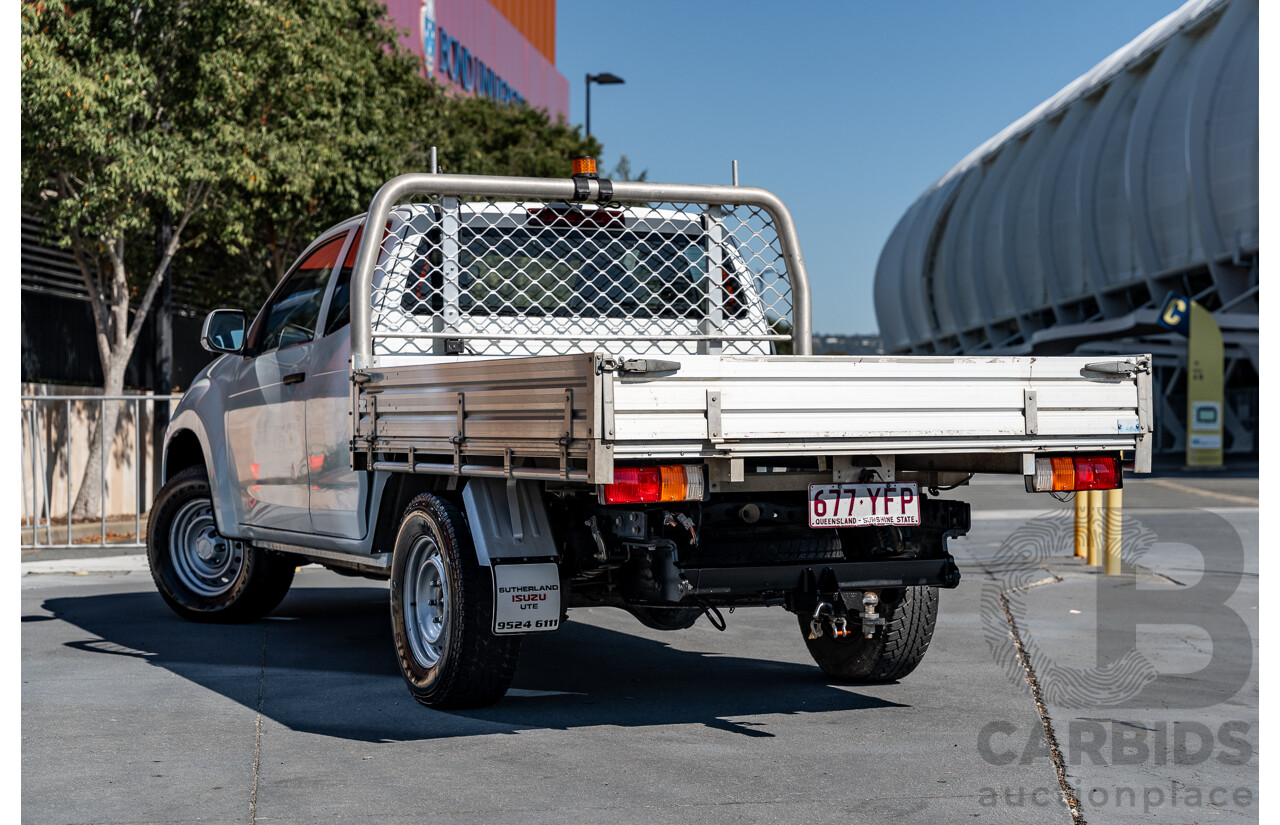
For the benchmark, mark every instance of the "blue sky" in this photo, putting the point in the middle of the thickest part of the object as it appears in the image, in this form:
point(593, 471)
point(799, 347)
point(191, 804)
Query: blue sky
point(847, 110)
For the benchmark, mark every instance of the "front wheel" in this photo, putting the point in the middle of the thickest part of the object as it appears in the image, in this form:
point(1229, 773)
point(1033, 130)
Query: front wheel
point(201, 574)
point(442, 612)
point(894, 649)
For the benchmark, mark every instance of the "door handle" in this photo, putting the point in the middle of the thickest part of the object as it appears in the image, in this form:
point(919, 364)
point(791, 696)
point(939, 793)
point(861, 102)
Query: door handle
point(295, 378)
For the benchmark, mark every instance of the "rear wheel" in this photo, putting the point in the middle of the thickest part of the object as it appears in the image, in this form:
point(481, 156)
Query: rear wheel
point(201, 574)
point(891, 653)
point(442, 612)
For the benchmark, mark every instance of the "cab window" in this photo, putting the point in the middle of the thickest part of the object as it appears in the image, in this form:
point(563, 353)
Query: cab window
point(340, 303)
point(291, 318)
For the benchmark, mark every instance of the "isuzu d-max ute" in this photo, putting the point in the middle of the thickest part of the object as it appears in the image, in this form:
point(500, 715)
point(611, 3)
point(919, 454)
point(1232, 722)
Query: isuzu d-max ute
point(515, 396)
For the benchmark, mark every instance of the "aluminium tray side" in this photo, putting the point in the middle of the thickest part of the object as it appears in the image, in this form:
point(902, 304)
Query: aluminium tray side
point(511, 412)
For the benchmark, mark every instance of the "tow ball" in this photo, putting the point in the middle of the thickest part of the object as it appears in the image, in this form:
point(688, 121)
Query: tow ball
point(839, 622)
point(870, 619)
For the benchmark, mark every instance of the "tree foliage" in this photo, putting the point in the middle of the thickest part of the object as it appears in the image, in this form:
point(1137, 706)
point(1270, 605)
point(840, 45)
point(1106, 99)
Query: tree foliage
point(259, 124)
point(344, 108)
point(622, 171)
point(479, 136)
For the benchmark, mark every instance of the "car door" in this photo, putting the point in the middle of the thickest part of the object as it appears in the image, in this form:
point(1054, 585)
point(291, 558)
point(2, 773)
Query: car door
point(339, 495)
point(266, 410)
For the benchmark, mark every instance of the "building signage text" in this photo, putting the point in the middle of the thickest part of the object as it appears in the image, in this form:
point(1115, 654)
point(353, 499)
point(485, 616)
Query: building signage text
point(456, 62)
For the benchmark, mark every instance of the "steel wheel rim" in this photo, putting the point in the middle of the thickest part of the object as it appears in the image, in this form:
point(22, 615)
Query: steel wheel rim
point(426, 601)
point(206, 563)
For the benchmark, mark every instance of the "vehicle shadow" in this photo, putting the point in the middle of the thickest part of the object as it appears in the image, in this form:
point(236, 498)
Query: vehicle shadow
point(323, 663)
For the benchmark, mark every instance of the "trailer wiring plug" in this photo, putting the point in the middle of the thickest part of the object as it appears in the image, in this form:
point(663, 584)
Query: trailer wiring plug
point(679, 520)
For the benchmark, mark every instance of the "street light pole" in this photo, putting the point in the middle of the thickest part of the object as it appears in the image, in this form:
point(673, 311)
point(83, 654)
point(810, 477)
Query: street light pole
point(605, 79)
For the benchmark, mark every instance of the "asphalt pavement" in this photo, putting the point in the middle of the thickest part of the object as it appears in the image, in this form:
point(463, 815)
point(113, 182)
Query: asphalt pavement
point(1050, 694)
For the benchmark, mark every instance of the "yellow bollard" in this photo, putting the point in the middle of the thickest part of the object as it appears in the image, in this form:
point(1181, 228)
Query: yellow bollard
point(1082, 525)
point(1111, 564)
point(1095, 529)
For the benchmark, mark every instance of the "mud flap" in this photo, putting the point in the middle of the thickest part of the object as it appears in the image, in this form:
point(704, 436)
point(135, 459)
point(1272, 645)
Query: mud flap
point(508, 520)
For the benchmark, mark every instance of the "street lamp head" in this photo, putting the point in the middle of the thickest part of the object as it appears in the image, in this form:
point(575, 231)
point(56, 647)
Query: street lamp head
point(605, 79)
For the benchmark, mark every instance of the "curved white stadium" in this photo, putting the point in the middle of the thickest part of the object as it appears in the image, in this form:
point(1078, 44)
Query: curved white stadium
point(1067, 229)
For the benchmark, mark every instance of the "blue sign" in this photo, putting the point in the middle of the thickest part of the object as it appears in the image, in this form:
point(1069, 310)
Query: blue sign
point(1176, 314)
point(429, 35)
point(457, 63)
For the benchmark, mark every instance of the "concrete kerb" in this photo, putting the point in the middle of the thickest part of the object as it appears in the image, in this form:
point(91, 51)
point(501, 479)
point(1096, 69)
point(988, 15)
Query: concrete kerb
point(133, 563)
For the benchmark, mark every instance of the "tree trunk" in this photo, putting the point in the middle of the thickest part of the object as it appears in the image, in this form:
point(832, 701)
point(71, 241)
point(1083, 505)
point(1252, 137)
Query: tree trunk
point(89, 499)
point(116, 337)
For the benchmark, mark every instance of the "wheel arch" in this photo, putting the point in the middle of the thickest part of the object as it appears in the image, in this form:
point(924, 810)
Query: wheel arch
point(400, 489)
point(187, 445)
point(183, 450)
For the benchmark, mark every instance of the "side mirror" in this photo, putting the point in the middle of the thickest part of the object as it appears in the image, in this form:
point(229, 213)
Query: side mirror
point(224, 331)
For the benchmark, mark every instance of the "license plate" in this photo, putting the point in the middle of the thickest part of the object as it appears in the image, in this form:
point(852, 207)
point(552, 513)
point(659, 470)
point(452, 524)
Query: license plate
point(860, 505)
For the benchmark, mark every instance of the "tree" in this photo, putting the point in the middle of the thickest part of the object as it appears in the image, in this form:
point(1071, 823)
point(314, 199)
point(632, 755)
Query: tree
point(622, 171)
point(208, 106)
point(367, 146)
point(251, 125)
point(479, 136)
point(345, 111)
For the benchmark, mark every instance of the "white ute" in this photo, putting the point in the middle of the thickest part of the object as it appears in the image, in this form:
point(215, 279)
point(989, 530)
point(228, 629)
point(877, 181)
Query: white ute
point(522, 395)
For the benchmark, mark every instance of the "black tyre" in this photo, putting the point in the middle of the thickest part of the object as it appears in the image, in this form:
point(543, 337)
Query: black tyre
point(666, 618)
point(442, 612)
point(203, 576)
point(895, 649)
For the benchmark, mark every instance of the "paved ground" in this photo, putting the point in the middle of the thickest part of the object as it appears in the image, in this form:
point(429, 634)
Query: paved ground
point(133, 716)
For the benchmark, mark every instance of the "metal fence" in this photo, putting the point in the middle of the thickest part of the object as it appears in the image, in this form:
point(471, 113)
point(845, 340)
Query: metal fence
point(56, 431)
point(524, 266)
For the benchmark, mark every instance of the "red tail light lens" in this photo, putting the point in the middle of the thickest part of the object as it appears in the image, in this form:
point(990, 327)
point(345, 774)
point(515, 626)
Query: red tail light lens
point(1097, 474)
point(634, 485)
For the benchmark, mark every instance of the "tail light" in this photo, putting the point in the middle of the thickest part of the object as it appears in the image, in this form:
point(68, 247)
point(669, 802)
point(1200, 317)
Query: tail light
point(643, 485)
point(1076, 473)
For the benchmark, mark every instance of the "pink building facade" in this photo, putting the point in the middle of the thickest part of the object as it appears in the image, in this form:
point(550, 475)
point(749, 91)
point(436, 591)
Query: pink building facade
point(472, 47)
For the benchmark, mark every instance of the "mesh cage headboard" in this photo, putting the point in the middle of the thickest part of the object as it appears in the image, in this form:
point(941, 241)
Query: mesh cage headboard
point(527, 266)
